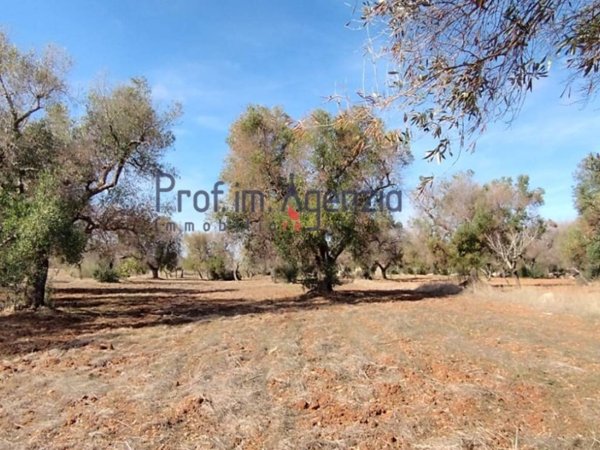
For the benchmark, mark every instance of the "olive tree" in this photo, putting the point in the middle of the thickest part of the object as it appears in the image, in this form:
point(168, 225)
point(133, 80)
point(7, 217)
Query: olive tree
point(587, 201)
point(516, 223)
point(57, 169)
point(452, 219)
point(303, 168)
point(472, 227)
point(383, 247)
point(210, 255)
point(457, 65)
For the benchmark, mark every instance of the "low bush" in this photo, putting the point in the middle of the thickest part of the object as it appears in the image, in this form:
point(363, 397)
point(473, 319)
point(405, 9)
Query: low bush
point(106, 274)
point(130, 267)
point(286, 272)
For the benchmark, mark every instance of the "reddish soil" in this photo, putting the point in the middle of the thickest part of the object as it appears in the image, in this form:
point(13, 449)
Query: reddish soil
point(174, 364)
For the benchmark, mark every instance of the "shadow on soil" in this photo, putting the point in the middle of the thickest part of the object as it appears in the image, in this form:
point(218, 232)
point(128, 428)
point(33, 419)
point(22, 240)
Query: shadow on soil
point(82, 311)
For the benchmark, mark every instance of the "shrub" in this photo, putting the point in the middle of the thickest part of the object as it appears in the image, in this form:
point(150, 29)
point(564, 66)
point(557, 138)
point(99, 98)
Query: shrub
point(129, 267)
point(106, 274)
point(313, 280)
point(222, 275)
point(217, 268)
point(533, 271)
point(417, 270)
point(286, 272)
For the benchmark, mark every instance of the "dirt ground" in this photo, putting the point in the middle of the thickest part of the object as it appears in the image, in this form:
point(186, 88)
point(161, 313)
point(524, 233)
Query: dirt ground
point(190, 364)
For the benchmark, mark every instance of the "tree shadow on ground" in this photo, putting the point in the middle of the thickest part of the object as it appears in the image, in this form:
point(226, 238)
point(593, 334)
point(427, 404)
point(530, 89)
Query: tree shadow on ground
point(82, 311)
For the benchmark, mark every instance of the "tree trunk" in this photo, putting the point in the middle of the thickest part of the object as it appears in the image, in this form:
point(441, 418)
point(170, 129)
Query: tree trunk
point(36, 289)
point(327, 276)
point(516, 274)
point(154, 273)
point(327, 268)
point(383, 271)
point(325, 285)
point(329, 273)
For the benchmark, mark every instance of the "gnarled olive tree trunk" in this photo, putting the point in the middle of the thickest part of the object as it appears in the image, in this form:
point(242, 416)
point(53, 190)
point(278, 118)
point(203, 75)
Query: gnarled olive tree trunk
point(35, 291)
point(154, 271)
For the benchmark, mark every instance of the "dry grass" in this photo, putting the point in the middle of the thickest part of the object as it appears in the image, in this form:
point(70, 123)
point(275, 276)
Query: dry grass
point(191, 364)
point(583, 301)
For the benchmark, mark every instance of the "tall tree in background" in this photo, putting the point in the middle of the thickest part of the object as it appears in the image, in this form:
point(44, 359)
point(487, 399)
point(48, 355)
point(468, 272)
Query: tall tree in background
point(453, 220)
point(459, 64)
point(516, 223)
point(587, 201)
point(383, 248)
point(470, 227)
point(60, 175)
point(263, 150)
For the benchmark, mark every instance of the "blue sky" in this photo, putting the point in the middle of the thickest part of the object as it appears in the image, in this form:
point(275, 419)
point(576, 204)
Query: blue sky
point(218, 57)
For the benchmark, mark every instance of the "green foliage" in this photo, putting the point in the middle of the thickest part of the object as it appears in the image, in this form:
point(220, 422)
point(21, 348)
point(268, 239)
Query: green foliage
point(469, 227)
point(448, 232)
point(533, 271)
point(167, 252)
point(286, 272)
point(59, 173)
point(148, 238)
point(209, 255)
point(593, 255)
point(104, 273)
point(196, 245)
point(587, 201)
point(576, 246)
point(129, 267)
point(383, 247)
point(468, 248)
point(35, 227)
point(217, 268)
point(587, 189)
point(350, 152)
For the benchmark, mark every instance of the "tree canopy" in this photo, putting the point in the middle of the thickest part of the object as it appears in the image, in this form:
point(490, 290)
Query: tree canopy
point(587, 201)
point(457, 65)
point(63, 176)
point(469, 226)
point(303, 168)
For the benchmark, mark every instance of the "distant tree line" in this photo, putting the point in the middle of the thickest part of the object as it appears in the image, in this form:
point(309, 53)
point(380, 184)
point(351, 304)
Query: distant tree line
point(461, 227)
point(467, 228)
point(73, 174)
